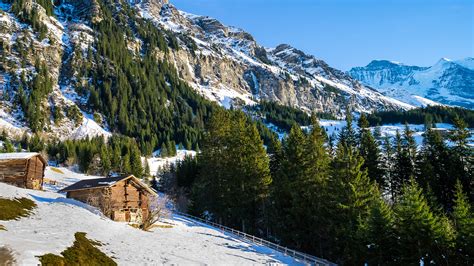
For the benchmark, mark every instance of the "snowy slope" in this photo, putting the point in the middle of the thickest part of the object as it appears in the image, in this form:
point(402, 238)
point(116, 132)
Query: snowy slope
point(51, 228)
point(156, 162)
point(334, 127)
point(446, 82)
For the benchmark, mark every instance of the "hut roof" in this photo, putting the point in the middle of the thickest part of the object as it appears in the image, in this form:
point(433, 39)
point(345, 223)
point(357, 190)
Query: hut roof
point(20, 156)
point(105, 182)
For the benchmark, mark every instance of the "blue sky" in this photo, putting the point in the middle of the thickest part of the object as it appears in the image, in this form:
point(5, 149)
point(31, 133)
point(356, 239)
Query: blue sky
point(348, 33)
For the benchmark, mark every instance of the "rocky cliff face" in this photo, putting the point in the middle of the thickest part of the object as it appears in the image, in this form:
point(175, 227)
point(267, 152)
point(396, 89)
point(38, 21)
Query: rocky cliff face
point(447, 82)
point(227, 65)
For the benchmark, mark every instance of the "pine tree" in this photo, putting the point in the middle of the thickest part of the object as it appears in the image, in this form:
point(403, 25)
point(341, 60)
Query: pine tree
point(8, 146)
point(146, 170)
point(422, 234)
point(347, 136)
point(380, 234)
point(235, 183)
point(351, 193)
point(433, 169)
point(126, 168)
point(105, 160)
point(309, 191)
point(136, 167)
point(463, 220)
point(403, 168)
point(462, 158)
point(369, 150)
point(164, 150)
point(284, 188)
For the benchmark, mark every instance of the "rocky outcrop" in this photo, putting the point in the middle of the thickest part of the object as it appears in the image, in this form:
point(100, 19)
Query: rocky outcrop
point(228, 62)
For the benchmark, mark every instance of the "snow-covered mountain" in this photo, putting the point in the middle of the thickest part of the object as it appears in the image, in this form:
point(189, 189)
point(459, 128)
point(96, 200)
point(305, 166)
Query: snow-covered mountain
point(229, 66)
point(447, 82)
point(225, 64)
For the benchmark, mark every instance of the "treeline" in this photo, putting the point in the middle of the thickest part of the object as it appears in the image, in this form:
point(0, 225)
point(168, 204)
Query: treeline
point(427, 115)
point(283, 116)
point(381, 202)
point(96, 156)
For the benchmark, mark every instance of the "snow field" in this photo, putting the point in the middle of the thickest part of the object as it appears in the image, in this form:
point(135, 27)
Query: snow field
point(51, 228)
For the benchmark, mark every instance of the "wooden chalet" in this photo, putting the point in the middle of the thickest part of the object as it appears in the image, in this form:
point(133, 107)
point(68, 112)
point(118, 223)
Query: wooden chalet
point(122, 198)
point(22, 169)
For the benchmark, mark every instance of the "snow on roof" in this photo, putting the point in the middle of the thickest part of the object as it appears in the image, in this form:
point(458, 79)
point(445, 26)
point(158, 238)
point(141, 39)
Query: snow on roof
point(104, 182)
point(17, 155)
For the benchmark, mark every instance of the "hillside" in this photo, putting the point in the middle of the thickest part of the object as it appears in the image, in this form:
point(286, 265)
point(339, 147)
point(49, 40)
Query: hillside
point(51, 228)
point(148, 70)
point(447, 82)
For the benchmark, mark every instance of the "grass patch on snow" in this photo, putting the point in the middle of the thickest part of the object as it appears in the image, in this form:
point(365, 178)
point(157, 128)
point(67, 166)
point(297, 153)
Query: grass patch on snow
point(82, 252)
point(13, 209)
point(2, 228)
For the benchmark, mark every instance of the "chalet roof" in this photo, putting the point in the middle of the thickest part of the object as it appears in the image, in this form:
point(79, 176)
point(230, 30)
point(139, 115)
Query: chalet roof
point(104, 182)
point(20, 156)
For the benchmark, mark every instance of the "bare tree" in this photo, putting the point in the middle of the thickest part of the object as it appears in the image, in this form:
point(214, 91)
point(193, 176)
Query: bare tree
point(157, 210)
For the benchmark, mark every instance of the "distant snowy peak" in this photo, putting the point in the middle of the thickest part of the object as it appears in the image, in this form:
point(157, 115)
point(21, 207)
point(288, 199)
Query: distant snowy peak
point(467, 62)
point(449, 82)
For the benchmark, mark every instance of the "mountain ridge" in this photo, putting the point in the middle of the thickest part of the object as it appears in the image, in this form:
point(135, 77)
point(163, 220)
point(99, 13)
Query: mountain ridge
point(448, 82)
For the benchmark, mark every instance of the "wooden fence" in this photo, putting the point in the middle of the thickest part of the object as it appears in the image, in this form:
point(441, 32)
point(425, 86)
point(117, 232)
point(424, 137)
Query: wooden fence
point(306, 258)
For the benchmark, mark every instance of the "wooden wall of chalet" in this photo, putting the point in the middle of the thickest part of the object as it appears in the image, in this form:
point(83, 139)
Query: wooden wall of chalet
point(126, 201)
point(130, 201)
point(91, 196)
point(35, 173)
point(25, 173)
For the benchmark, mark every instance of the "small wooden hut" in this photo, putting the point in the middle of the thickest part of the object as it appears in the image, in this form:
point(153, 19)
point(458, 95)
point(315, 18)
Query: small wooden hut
point(22, 169)
point(122, 198)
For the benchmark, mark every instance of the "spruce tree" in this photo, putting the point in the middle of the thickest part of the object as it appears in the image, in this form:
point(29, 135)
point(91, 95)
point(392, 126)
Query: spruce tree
point(310, 191)
point(462, 157)
point(347, 136)
point(351, 192)
point(379, 233)
point(235, 184)
point(463, 220)
point(8, 146)
point(136, 167)
point(370, 151)
point(105, 160)
point(433, 170)
point(423, 235)
point(403, 168)
point(284, 187)
point(146, 170)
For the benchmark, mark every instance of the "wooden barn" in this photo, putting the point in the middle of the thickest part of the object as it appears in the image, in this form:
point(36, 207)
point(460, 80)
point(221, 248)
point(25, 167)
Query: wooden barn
point(123, 198)
point(22, 169)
